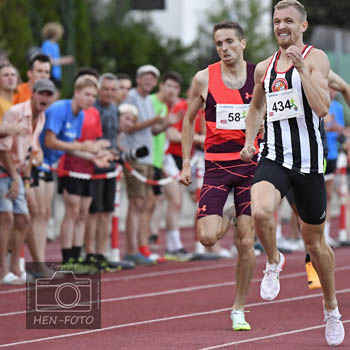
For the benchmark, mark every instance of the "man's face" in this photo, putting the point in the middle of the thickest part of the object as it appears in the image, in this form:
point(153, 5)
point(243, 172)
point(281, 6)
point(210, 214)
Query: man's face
point(123, 87)
point(107, 91)
point(288, 26)
point(171, 90)
point(85, 97)
point(228, 46)
point(40, 70)
point(41, 100)
point(8, 79)
point(146, 82)
point(126, 121)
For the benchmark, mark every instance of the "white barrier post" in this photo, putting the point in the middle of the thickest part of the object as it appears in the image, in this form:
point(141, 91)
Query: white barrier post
point(115, 251)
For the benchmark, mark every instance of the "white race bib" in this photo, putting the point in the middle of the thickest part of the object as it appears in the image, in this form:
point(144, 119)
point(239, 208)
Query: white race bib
point(283, 105)
point(231, 117)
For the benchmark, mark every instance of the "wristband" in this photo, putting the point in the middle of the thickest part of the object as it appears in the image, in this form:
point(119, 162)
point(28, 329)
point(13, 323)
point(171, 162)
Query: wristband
point(24, 178)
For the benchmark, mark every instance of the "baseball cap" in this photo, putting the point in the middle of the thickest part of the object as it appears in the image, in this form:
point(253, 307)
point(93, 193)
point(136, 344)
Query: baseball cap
point(44, 85)
point(148, 68)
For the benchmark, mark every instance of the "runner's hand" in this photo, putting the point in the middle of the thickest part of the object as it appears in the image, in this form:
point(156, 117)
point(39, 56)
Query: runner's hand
point(294, 53)
point(247, 153)
point(186, 174)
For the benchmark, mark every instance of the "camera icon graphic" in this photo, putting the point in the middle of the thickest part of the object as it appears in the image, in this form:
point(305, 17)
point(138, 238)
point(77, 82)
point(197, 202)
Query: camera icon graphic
point(57, 294)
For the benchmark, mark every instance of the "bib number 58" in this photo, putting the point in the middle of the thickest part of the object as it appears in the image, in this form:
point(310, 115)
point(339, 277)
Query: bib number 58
point(234, 117)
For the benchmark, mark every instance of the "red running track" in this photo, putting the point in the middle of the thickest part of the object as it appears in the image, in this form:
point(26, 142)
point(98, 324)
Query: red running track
point(186, 306)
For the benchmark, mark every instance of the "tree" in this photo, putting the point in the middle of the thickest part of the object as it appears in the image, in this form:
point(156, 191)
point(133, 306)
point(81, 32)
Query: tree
point(16, 34)
point(252, 15)
point(122, 44)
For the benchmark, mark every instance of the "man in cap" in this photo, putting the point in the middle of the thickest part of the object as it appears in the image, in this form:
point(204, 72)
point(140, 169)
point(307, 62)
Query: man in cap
point(140, 195)
point(16, 155)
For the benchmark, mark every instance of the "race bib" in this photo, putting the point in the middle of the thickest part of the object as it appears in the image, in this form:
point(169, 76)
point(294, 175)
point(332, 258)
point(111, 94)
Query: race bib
point(231, 117)
point(283, 105)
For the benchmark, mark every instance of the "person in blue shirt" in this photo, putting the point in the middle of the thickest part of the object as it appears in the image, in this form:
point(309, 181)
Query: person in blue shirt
point(52, 32)
point(334, 126)
point(62, 128)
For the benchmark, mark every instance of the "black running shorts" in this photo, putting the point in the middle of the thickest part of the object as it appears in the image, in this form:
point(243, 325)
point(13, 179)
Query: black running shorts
point(309, 189)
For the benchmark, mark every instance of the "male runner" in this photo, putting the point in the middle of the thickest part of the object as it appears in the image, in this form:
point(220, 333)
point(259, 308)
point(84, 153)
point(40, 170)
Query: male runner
point(294, 83)
point(224, 90)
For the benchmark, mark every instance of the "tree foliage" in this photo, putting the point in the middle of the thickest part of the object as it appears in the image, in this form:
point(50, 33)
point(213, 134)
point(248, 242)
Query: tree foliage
point(16, 33)
point(123, 45)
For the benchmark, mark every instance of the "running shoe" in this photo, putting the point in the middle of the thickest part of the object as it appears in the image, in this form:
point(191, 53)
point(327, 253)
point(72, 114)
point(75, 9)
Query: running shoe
point(312, 276)
point(270, 285)
point(180, 255)
point(78, 267)
point(139, 259)
point(334, 327)
point(238, 321)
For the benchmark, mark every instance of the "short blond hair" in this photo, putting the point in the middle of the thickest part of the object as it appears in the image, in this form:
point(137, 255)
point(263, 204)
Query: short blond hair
point(128, 108)
point(84, 81)
point(292, 3)
point(52, 31)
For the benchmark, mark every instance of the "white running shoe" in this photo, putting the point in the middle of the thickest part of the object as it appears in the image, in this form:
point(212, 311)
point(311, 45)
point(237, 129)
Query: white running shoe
point(238, 321)
point(270, 285)
point(334, 327)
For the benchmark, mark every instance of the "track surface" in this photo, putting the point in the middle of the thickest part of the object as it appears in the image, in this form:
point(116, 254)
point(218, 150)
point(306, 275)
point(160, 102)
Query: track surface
point(175, 306)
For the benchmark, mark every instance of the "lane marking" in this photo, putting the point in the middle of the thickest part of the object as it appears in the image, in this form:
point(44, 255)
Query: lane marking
point(179, 290)
point(162, 273)
point(267, 337)
point(166, 292)
point(307, 296)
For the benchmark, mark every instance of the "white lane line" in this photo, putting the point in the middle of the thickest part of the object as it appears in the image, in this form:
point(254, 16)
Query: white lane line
point(303, 297)
point(143, 275)
point(167, 273)
point(166, 292)
point(179, 290)
point(266, 337)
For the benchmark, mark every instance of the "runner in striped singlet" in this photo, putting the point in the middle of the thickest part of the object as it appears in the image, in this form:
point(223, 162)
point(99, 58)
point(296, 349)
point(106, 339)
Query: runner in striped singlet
point(294, 83)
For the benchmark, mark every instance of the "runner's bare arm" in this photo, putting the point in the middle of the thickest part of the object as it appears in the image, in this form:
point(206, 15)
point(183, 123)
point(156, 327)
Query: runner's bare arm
point(313, 71)
point(337, 83)
point(256, 112)
point(197, 97)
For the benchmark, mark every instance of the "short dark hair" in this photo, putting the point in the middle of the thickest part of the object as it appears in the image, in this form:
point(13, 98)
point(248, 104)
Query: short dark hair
point(123, 76)
point(172, 75)
point(86, 71)
point(229, 25)
point(39, 57)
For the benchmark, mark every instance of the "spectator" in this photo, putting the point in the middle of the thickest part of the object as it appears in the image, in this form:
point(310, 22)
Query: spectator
point(334, 126)
point(62, 128)
point(15, 155)
point(8, 84)
point(123, 87)
point(140, 195)
point(52, 32)
point(39, 68)
point(169, 90)
point(102, 206)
